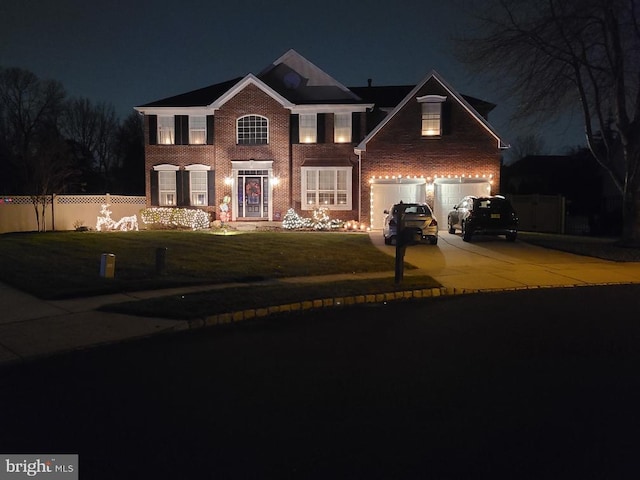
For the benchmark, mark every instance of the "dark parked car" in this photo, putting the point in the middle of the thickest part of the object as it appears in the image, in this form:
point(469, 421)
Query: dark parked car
point(419, 223)
point(492, 215)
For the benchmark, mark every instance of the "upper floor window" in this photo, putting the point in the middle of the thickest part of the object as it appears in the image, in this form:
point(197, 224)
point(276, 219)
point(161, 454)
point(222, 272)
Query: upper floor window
point(197, 130)
point(431, 115)
point(253, 130)
point(342, 128)
point(308, 128)
point(166, 130)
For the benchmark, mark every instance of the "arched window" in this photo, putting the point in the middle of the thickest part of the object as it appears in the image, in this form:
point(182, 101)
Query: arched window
point(253, 130)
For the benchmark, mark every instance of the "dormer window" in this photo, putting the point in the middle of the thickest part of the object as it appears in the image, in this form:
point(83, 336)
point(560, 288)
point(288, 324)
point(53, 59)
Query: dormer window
point(431, 115)
point(253, 130)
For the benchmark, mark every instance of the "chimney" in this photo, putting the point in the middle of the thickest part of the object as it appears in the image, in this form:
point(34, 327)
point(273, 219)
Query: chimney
point(369, 82)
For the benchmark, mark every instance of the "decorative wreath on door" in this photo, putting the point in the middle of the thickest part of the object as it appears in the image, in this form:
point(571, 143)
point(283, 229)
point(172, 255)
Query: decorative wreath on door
point(252, 189)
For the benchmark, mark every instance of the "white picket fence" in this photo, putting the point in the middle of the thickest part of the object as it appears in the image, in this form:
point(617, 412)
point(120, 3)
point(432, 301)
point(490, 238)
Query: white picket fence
point(65, 212)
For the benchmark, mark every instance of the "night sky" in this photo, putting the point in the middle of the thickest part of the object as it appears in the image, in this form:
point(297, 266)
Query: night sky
point(131, 52)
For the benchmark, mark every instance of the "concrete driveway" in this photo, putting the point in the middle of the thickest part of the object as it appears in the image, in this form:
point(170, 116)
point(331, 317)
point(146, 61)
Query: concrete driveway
point(489, 263)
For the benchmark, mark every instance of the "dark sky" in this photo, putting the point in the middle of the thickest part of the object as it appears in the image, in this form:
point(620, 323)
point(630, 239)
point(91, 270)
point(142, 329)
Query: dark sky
point(130, 52)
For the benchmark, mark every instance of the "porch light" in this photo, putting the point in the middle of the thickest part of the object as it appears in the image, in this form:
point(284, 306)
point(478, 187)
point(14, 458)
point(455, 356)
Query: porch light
point(228, 180)
point(274, 181)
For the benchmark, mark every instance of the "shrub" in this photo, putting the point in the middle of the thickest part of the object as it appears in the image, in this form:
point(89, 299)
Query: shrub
point(319, 221)
point(175, 217)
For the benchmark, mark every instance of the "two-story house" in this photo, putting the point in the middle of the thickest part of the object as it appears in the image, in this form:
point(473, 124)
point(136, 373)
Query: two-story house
point(291, 136)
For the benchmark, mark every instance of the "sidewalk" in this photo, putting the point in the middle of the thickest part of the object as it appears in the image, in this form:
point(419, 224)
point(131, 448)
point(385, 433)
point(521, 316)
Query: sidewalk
point(31, 327)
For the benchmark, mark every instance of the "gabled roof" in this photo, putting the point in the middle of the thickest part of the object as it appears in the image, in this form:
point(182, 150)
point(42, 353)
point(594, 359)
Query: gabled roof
point(291, 80)
point(250, 79)
point(386, 97)
point(301, 82)
point(214, 96)
point(196, 98)
point(462, 100)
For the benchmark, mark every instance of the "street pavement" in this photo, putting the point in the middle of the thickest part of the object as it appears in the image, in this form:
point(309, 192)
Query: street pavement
point(32, 328)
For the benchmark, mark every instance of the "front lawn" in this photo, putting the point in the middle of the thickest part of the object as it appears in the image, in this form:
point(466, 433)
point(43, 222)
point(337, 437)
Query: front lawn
point(66, 264)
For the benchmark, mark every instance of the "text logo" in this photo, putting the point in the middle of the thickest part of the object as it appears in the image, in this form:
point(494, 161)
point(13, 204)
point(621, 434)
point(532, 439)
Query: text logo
point(49, 467)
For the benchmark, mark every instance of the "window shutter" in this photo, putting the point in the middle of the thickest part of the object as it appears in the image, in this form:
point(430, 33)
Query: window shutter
point(154, 188)
point(177, 132)
point(153, 130)
point(322, 118)
point(182, 129)
point(211, 187)
point(294, 128)
point(356, 117)
point(210, 137)
point(182, 187)
point(185, 129)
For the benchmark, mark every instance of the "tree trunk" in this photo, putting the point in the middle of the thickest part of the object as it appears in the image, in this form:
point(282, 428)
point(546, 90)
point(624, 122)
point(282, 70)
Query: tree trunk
point(34, 201)
point(631, 218)
point(44, 213)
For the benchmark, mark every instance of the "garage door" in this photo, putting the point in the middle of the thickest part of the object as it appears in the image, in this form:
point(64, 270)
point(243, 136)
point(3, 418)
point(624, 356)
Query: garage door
point(386, 194)
point(446, 194)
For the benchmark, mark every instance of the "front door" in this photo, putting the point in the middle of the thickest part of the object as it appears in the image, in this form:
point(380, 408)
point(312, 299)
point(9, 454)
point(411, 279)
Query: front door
point(252, 194)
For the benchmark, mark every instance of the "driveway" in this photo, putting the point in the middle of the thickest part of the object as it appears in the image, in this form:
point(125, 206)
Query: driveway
point(489, 263)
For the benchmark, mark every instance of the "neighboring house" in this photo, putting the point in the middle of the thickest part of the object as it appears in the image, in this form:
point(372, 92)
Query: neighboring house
point(293, 137)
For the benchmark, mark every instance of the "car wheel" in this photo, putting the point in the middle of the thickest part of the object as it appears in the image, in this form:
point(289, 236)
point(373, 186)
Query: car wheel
point(433, 240)
point(452, 229)
point(387, 241)
point(392, 240)
point(511, 236)
point(466, 233)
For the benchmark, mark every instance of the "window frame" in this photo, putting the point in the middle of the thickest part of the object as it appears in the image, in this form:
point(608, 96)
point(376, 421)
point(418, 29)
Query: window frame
point(430, 115)
point(258, 136)
point(195, 171)
point(342, 133)
point(200, 129)
point(308, 133)
point(163, 172)
point(337, 192)
point(166, 130)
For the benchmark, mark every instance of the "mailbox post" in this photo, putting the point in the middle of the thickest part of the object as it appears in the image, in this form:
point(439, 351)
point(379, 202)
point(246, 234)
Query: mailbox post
point(401, 244)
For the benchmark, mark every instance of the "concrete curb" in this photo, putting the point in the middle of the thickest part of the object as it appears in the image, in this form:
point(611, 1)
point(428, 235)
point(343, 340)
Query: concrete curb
point(337, 302)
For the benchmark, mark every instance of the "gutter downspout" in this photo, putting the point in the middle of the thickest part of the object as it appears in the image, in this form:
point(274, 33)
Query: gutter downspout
point(359, 154)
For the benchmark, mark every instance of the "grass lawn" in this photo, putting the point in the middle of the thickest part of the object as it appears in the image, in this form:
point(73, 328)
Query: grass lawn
point(226, 300)
point(67, 264)
point(58, 265)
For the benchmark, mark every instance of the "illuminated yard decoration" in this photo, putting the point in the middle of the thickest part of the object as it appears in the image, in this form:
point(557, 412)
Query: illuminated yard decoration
point(320, 220)
point(106, 223)
point(225, 210)
point(176, 217)
point(127, 223)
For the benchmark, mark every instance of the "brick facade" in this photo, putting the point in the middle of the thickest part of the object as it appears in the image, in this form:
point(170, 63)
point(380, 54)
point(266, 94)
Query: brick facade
point(467, 148)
